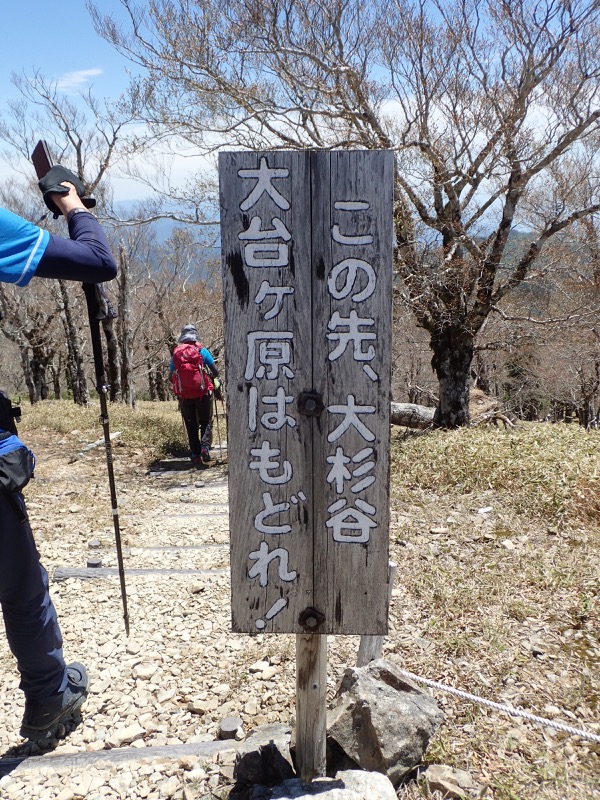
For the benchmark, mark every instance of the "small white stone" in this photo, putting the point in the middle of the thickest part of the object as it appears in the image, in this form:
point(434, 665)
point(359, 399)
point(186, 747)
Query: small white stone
point(123, 736)
point(145, 670)
point(251, 708)
point(169, 787)
point(66, 794)
point(258, 666)
point(197, 774)
point(269, 673)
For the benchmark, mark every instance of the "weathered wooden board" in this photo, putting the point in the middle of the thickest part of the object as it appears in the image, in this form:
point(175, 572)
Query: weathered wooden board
point(24, 765)
point(307, 248)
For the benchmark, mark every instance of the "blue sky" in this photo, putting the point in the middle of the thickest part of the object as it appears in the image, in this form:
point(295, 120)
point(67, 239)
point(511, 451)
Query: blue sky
point(59, 40)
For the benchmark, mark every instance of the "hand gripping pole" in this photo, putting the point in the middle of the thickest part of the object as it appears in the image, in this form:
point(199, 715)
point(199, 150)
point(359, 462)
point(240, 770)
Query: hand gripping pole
point(98, 309)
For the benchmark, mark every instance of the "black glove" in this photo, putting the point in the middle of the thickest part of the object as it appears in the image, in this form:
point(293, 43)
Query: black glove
point(52, 183)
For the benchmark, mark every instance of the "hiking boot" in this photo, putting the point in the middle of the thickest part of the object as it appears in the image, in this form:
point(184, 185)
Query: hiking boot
point(205, 455)
point(42, 719)
point(197, 462)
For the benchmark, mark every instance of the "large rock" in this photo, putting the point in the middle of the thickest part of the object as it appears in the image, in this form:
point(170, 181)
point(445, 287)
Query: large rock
point(264, 757)
point(347, 785)
point(381, 721)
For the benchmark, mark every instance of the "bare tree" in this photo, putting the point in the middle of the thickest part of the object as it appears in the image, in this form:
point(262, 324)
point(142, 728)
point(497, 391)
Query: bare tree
point(484, 101)
point(540, 351)
point(125, 337)
point(84, 135)
point(75, 359)
point(31, 324)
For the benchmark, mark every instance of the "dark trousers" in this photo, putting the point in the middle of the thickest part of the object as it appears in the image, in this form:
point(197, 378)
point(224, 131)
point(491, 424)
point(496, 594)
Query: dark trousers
point(197, 417)
point(29, 615)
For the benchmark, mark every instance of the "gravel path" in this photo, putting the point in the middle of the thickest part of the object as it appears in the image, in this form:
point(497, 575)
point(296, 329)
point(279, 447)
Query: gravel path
point(180, 672)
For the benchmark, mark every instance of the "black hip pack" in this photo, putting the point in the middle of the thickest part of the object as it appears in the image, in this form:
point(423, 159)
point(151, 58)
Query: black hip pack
point(17, 463)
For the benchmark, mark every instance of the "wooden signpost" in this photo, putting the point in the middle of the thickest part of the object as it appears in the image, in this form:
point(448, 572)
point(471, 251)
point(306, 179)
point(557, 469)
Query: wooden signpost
point(307, 248)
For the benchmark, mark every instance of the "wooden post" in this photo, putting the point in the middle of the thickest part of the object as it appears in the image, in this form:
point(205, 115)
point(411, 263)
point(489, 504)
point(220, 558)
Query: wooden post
point(371, 647)
point(311, 705)
point(307, 240)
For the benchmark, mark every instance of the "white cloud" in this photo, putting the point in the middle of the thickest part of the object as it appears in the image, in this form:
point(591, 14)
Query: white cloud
point(73, 82)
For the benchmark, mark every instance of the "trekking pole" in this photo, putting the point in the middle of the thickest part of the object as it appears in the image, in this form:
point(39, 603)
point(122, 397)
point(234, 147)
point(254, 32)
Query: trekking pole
point(185, 433)
point(98, 308)
point(218, 427)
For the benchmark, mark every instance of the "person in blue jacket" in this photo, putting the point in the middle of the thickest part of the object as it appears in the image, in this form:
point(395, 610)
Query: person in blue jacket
point(54, 691)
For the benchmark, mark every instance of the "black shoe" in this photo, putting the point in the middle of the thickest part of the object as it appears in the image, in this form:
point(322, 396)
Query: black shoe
point(42, 719)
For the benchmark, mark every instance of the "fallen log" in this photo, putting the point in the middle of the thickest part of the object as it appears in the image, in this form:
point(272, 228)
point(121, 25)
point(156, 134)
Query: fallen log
point(482, 409)
point(92, 446)
point(411, 415)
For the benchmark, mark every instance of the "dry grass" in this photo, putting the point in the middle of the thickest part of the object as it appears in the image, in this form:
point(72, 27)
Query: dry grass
point(154, 425)
point(551, 471)
point(503, 603)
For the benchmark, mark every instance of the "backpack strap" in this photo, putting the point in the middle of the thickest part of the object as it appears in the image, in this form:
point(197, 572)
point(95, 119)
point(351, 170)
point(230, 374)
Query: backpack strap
point(202, 369)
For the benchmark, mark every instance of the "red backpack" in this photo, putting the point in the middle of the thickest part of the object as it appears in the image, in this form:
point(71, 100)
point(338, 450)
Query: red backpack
point(190, 378)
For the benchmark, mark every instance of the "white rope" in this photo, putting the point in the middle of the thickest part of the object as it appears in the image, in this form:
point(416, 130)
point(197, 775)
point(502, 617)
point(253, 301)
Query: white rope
point(514, 712)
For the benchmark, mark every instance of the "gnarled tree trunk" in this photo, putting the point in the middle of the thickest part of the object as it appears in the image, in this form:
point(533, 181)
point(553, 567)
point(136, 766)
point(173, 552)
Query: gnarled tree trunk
point(113, 370)
point(452, 348)
point(126, 337)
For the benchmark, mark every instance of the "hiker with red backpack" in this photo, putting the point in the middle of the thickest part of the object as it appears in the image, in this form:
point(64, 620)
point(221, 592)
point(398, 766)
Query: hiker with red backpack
point(193, 371)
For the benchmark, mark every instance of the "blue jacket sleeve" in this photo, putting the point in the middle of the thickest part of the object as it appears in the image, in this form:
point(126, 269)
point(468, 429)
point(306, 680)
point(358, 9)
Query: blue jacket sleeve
point(209, 360)
point(22, 245)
